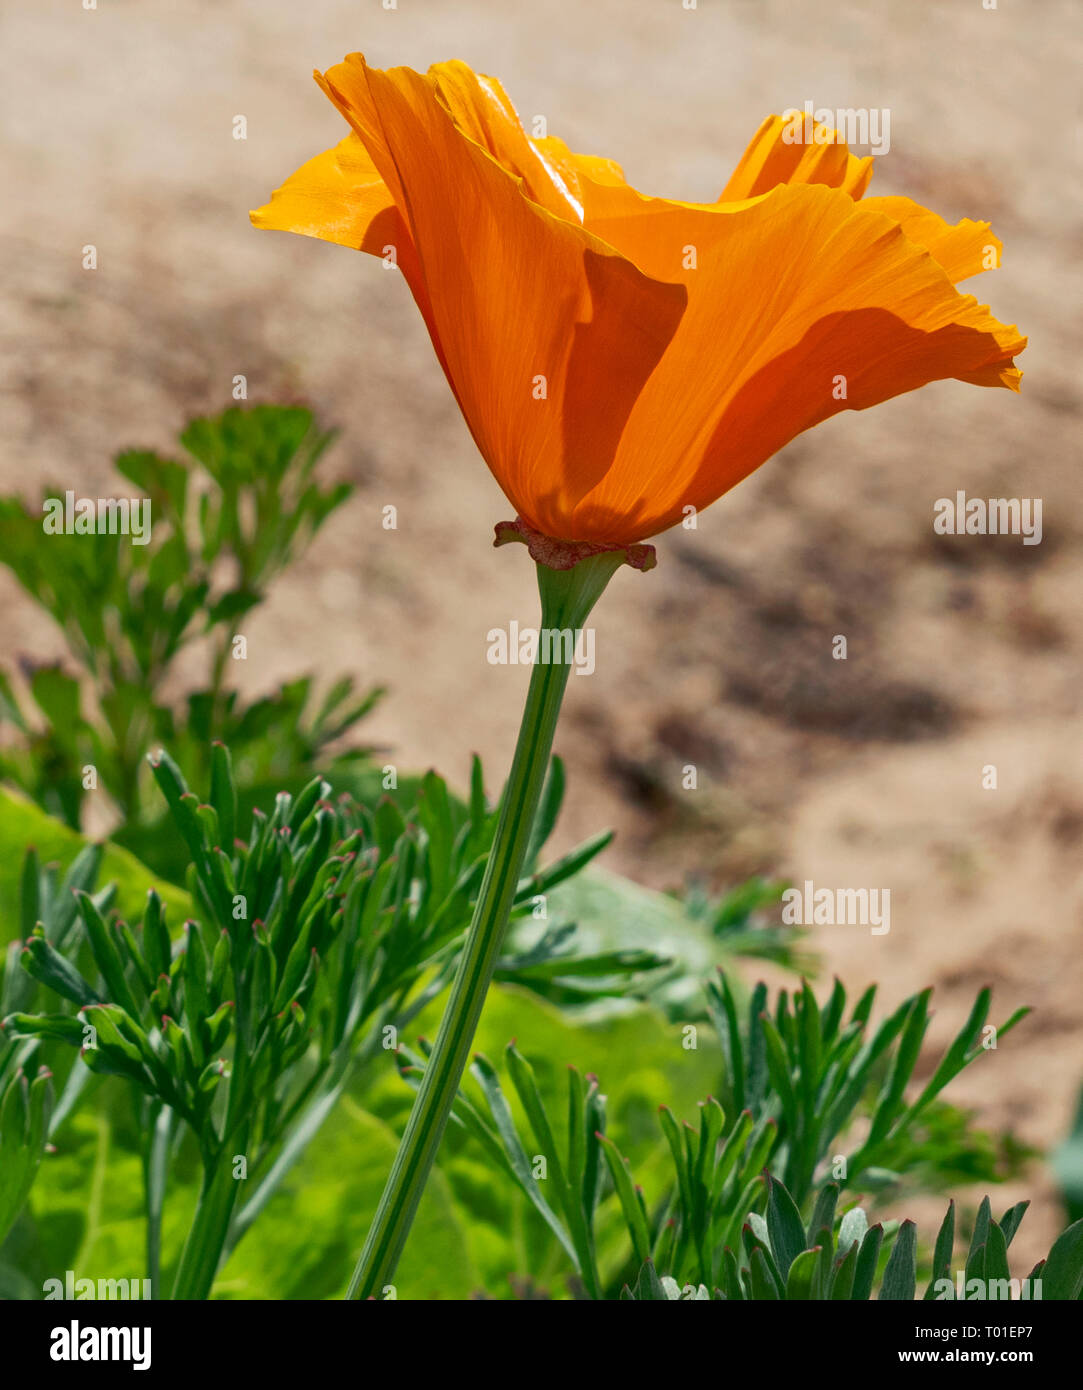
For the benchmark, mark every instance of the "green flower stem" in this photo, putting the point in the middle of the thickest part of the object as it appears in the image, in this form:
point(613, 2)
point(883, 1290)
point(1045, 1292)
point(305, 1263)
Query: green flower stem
point(202, 1251)
point(567, 597)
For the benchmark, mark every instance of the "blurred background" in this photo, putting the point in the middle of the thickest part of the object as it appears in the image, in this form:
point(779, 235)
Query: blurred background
point(118, 132)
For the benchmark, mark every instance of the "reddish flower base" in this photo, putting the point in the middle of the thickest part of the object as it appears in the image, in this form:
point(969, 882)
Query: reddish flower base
point(565, 555)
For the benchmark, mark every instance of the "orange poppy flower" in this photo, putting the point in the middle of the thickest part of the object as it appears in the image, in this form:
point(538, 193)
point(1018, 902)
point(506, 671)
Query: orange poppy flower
point(621, 358)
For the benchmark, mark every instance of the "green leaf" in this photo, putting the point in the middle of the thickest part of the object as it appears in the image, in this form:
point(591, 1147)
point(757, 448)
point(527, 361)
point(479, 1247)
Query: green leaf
point(633, 1212)
point(56, 972)
point(567, 866)
point(802, 1272)
point(753, 1233)
point(548, 810)
point(906, 1056)
point(945, 1245)
point(731, 1283)
point(223, 793)
point(852, 1227)
point(302, 1245)
point(568, 1198)
point(981, 1225)
point(22, 823)
point(778, 1068)
point(867, 1259)
point(1062, 1277)
point(900, 1275)
point(975, 1265)
point(784, 1224)
point(722, 1009)
point(25, 1108)
point(843, 1272)
point(613, 913)
point(106, 956)
point(1009, 1222)
point(56, 1027)
point(996, 1255)
point(649, 1287)
point(30, 894)
point(823, 1214)
point(483, 1071)
point(763, 1282)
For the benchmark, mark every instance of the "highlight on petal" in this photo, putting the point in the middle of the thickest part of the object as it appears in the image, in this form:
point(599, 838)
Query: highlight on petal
point(808, 305)
point(340, 197)
point(774, 156)
point(594, 167)
point(481, 109)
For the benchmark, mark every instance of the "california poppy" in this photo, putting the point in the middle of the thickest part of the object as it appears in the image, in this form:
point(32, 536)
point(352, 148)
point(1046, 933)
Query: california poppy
point(620, 358)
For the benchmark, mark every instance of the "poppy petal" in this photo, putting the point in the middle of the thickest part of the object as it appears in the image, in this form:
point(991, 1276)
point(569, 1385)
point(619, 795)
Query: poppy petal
point(773, 157)
point(809, 304)
point(667, 238)
point(339, 196)
point(482, 110)
point(963, 250)
point(619, 358)
point(594, 167)
point(536, 321)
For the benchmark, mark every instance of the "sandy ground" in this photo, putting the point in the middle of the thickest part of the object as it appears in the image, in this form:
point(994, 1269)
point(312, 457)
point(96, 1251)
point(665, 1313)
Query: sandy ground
point(118, 132)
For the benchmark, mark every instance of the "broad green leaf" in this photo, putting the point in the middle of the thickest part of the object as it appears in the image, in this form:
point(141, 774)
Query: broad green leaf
point(22, 823)
point(307, 1238)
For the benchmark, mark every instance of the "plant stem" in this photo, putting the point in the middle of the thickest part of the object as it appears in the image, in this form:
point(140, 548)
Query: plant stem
point(567, 597)
point(202, 1251)
point(156, 1167)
